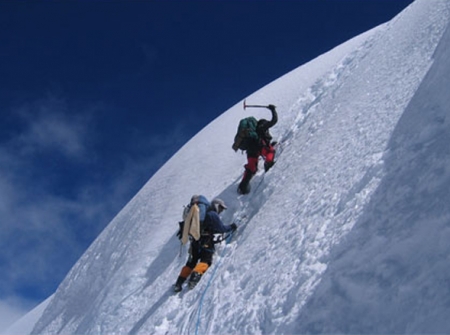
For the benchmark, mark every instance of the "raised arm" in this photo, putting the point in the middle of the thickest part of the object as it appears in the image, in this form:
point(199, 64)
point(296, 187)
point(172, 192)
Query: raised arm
point(274, 120)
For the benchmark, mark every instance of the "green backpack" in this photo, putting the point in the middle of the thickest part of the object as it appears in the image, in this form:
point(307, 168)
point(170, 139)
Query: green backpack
point(246, 133)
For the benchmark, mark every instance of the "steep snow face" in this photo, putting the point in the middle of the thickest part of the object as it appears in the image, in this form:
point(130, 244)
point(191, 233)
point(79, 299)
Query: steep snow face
point(347, 229)
point(391, 275)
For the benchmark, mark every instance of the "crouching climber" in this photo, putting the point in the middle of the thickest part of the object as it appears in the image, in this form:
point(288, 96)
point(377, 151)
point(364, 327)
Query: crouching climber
point(201, 250)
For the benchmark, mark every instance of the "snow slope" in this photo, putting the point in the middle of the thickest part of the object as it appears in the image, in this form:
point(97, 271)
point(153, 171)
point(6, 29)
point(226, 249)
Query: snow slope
point(348, 233)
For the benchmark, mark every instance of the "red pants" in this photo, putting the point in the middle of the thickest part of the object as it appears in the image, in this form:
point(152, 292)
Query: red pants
point(267, 152)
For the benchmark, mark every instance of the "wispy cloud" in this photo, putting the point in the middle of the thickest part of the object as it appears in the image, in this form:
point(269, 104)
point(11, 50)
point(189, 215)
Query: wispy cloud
point(11, 309)
point(39, 226)
point(49, 125)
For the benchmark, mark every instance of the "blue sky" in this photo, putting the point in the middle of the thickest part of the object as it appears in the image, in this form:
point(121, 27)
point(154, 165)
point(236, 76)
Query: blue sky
point(96, 96)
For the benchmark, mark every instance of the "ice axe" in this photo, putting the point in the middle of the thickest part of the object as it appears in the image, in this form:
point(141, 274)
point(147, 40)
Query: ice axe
point(255, 106)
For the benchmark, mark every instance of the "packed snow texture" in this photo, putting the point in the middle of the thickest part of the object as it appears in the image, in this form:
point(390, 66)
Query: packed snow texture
point(347, 233)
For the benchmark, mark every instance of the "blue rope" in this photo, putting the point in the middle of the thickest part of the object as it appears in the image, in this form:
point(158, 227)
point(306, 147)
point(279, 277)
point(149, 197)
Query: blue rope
point(228, 238)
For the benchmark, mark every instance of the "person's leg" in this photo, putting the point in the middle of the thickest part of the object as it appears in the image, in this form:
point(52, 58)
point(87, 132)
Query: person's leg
point(268, 153)
point(194, 256)
point(206, 256)
point(250, 170)
point(185, 272)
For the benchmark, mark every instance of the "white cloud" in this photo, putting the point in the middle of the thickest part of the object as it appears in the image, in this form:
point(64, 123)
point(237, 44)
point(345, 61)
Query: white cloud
point(12, 309)
point(49, 125)
point(38, 226)
point(43, 231)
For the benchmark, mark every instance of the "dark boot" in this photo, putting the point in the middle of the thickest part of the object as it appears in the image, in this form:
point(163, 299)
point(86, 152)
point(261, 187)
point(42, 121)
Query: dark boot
point(268, 165)
point(177, 287)
point(244, 186)
point(194, 279)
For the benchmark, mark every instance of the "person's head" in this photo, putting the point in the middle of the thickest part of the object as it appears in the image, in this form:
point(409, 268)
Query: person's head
point(261, 125)
point(218, 205)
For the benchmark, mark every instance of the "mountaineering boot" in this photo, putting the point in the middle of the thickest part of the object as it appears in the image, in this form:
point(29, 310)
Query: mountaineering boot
point(244, 186)
point(184, 273)
point(177, 287)
point(268, 165)
point(194, 279)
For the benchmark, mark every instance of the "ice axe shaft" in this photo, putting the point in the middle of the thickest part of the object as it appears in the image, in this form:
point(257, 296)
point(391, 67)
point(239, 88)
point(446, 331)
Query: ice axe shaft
point(254, 106)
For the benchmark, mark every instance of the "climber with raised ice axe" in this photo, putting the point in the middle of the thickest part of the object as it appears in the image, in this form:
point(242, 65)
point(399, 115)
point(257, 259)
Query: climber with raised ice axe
point(253, 136)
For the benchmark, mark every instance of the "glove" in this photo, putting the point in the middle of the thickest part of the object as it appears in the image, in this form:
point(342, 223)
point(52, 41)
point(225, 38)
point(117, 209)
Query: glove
point(233, 227)
point(271, 107)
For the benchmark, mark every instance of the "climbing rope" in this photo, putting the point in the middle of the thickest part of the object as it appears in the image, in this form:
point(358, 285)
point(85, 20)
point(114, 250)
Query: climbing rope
point(197, 326)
